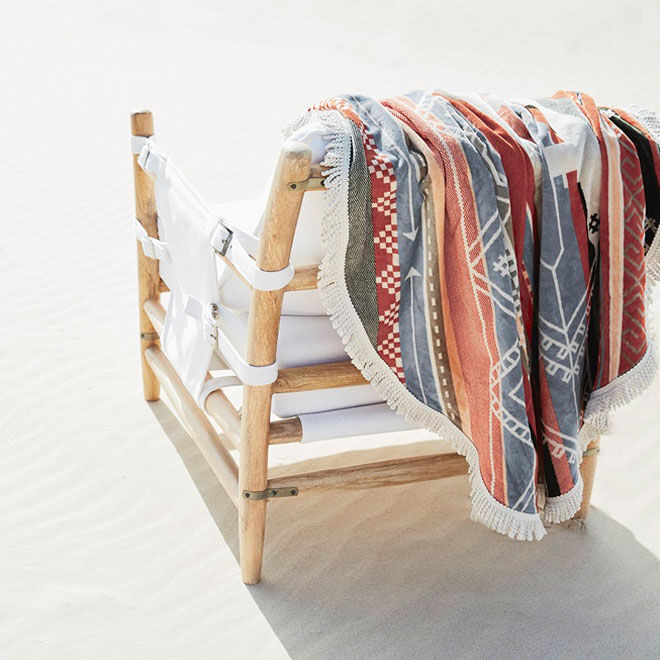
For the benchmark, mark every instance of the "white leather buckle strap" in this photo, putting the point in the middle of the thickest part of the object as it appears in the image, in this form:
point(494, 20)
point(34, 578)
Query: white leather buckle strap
point(213, 384)
point(209, 315)
point(152, 247)
point(247, 373)
point(150, 158)
point(227, 242)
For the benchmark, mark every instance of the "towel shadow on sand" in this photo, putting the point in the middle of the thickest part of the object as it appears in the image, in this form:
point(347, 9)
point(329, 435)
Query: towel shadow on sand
point(402, 572)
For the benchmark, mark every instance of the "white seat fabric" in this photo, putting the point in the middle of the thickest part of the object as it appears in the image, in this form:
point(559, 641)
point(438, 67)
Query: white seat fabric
point(307, 248)
point(303, 340)
point(347, 422)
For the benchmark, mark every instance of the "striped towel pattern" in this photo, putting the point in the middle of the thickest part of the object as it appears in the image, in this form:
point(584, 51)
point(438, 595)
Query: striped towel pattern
point(487, 266)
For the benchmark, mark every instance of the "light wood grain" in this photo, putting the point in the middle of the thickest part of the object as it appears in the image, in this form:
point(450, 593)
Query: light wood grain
point(305, 278)
point(374, 475)
point(196, 422)
point(280, 220)
point(225, 414)
point(588, 471)
point(318, 377)
point(285, 430)
point(155, 313)
point(142, 124)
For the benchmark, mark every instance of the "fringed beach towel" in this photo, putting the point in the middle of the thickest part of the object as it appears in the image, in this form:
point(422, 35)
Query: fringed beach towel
point(488, 266)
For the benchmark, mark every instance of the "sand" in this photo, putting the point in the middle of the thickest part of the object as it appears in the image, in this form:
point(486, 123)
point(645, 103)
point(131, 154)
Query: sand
point(115, 539)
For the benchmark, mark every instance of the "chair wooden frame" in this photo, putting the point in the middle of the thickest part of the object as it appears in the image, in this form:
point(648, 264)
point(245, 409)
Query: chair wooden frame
point(251, 431)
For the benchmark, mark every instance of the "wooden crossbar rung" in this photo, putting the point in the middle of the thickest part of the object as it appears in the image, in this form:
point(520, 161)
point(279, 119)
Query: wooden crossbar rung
point(305, 278)
point(225, 414)
point(285, 430)
point(156, 313)
point(196, 422)
point(374, 475)
point(318, 377)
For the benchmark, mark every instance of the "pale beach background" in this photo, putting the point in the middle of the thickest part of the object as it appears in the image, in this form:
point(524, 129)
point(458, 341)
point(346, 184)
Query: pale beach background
point(115, 539)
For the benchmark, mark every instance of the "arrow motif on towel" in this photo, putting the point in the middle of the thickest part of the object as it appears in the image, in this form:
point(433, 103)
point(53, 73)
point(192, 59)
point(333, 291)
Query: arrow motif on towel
point(424, 189)
point(412, 274)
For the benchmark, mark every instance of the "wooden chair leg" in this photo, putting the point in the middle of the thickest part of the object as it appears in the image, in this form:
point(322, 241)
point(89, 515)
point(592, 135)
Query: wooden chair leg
point(588, 470)
point(280, 220)
point(142, 124)
point(253, 476)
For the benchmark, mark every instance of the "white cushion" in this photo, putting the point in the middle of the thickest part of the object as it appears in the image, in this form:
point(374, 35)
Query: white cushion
point(303, 340)
point(307, 248)
point(361, 420)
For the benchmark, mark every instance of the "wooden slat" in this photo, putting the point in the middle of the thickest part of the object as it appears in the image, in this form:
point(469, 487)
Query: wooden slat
point(374, 475)
point(305, 278)
point(318, 377)
point(196, 422)
point(285, 430)
point(156, 314)
point(225, 414)
point(162, 287)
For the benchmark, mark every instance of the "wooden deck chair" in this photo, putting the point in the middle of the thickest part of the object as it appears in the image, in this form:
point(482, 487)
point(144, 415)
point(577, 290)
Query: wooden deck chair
point(251, 430)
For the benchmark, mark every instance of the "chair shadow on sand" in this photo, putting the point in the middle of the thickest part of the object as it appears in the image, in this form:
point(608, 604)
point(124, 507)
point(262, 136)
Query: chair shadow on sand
point(402, 572)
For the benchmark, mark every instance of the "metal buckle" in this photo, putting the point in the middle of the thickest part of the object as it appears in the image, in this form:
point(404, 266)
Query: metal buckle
point(143, 156)
point(212, 320)
point(226, 241)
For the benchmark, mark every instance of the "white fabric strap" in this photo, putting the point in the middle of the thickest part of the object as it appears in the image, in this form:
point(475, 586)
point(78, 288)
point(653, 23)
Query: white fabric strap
point(213, 384)
point(152, 247)
point(151, 158)
point(247, 374)
point(228, 242)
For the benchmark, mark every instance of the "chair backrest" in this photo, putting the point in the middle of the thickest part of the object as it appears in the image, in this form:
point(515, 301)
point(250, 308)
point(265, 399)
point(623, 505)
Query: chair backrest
point(189, 237)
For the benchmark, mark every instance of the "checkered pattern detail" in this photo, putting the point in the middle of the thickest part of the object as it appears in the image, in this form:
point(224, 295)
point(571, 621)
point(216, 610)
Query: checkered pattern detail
point(386, 245)
point(390, 281)
point(390, 350)
point(386, 250)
